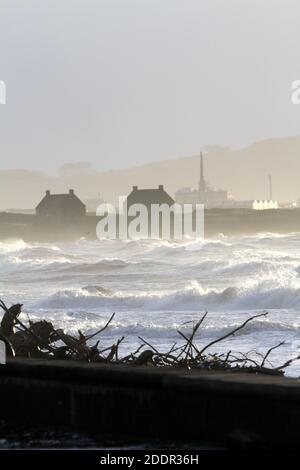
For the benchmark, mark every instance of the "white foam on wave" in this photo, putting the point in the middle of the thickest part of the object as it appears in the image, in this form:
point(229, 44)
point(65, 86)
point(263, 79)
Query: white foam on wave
point(254, 295)
point(39, 261)
point(154, 286)
point(12, 246)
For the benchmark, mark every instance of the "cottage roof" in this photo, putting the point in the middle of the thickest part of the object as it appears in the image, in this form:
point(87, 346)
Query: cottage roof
point(56, 200)
point(149, 196)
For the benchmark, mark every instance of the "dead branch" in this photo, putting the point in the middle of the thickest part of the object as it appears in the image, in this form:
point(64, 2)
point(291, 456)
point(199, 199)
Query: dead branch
point(102, 329)
point(39, 338)
point(232, 333)
point(148, 344)
point(269, 352)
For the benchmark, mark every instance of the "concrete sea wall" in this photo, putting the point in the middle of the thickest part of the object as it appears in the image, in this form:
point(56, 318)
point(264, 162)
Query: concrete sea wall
point(147, 403)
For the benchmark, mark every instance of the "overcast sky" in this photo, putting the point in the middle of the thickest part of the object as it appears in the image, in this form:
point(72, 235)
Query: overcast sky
point(123, 82)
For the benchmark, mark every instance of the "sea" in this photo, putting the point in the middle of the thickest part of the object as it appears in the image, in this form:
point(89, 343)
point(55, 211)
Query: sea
point(159, 287)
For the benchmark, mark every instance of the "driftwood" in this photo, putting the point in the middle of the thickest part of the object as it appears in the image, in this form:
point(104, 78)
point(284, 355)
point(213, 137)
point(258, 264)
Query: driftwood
point(41, 339)
point(30, 341)
point(144, 358)
point(9, 319)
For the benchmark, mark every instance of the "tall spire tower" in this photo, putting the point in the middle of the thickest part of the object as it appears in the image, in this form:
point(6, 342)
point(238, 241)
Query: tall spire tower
point(201, 185)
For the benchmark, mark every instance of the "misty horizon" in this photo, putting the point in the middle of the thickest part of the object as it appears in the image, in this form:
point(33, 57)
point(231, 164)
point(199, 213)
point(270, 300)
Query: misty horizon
point(92, 167)
point(123, 84)
point(244, 172)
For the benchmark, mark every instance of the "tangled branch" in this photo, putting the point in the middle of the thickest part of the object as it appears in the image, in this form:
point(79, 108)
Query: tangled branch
point(40, 339)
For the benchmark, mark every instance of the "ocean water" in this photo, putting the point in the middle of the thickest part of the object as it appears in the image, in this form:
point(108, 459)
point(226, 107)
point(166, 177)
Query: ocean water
point(158, 287)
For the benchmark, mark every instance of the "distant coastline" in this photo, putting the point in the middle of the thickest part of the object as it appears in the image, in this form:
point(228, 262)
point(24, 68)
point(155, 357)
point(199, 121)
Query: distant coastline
point(225, 221)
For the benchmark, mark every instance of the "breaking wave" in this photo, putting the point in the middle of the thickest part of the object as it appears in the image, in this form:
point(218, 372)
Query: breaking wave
point(158, 287)
point(191, 298)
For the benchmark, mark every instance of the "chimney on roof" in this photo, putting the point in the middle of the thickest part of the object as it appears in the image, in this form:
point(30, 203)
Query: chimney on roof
point(161, 187)
point(134, 188)
point(71, 191)
point(48, 192)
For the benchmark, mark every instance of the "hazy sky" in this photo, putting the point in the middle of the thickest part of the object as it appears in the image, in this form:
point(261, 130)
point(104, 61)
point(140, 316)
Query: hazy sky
point(124, 82)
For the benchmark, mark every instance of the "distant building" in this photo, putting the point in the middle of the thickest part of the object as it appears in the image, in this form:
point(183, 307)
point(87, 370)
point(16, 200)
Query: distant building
point(287, 205)
point(213, 197)
point(204, 194)
point(60, 208)
point(263, 205)
point(220, 198)
point(247, 204)
point(187, 195)
point(147, 197)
